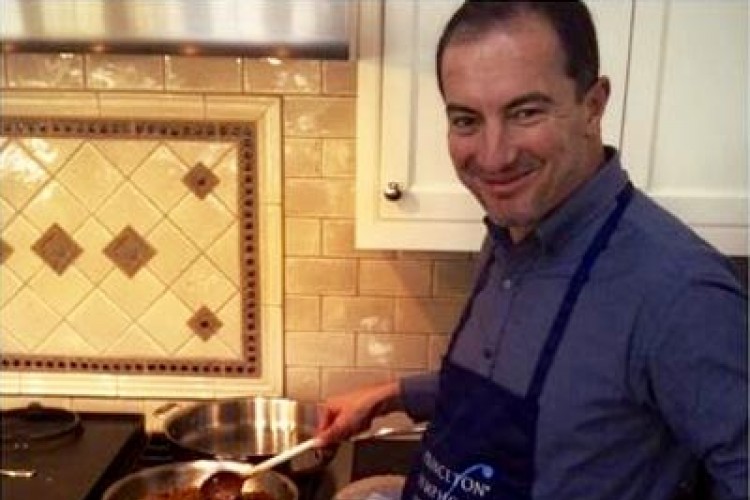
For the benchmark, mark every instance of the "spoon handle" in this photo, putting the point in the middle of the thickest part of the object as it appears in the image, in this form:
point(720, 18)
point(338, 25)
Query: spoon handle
point(17, 473)
point(286, 455)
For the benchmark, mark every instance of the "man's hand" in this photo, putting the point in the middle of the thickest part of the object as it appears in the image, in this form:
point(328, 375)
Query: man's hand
point(351, 413)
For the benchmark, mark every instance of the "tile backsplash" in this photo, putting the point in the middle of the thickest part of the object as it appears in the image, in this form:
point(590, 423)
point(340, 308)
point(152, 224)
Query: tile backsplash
point(350, 317)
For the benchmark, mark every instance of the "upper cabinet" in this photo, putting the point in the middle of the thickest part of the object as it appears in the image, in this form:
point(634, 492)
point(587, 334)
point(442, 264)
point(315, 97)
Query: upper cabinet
point(685, 130)
point(670, 63)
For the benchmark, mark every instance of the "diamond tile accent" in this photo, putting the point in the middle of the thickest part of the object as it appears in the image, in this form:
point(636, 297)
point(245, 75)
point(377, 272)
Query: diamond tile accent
point(5, 251)
point(205, 323)
point(129, 251)
point(57, 249)
point(200, 180)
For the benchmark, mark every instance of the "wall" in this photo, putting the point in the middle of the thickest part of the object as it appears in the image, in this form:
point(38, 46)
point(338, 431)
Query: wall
point(351, 317)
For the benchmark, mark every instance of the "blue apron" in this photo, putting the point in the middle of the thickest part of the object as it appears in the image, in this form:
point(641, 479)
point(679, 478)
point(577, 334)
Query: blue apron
point(481, 441)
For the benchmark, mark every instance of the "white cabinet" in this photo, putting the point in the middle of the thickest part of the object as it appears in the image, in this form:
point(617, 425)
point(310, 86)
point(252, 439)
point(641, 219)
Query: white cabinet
point(685, 133)
point(658, 94)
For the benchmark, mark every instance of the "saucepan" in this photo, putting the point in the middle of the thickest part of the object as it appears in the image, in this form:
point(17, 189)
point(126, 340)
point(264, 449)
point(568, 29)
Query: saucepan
point(179, 479)
point(247, 430)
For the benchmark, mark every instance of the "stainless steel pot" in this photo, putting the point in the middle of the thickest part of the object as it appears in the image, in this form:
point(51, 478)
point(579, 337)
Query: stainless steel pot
point(180, 475)
point(248, 429)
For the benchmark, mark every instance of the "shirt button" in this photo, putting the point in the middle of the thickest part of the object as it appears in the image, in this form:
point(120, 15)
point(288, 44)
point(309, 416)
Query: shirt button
point(507, 284)
point(487, 353)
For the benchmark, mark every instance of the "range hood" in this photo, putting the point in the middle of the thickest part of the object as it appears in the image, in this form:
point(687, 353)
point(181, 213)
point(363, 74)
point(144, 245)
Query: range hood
point(311, 29)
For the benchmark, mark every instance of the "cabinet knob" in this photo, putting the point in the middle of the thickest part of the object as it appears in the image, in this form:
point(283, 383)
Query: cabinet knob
point(393, 191)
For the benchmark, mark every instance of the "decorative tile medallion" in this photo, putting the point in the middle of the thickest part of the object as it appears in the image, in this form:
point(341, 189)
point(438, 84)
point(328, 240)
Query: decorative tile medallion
point(57, 249)
point(200, 180)
point(5, 250)
point(141, 260)
point(129, 251)
point(205, 323)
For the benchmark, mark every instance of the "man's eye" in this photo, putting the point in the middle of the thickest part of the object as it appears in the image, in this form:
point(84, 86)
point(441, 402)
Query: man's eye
point(462, 123)
point(527, 116)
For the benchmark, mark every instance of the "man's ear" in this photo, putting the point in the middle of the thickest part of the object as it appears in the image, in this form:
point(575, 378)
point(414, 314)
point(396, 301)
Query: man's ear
point(595, 100)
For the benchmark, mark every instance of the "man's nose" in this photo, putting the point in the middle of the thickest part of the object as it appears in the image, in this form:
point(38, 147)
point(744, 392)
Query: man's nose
point(495, 149)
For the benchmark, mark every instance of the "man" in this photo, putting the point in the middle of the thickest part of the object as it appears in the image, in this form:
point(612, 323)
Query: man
point(603, 352)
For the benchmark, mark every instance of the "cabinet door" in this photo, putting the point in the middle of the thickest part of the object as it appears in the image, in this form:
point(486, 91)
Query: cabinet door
point(401, 125)
point(685, 136)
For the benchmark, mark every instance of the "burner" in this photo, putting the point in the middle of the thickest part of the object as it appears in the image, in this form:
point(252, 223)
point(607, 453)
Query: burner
point(36, 422)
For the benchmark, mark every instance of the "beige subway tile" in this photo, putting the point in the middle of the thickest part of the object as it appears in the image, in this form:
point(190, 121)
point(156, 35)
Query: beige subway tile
point(319, 197)
point(438, 346)
point(303, 157)
point(392, 351)
point(340, 77)
point(302, 313)
point(319, 349)
point(143, 105)
point(453, 277)
point(262, 109)
point(399, 278)
point(124, 72)
point(362, 314)
point(427, 315)
point(338, 241)
point(340, 381)
point(338, 157)
point(302, 236)
point(327, 276)
point(205, 74)
point(319, 117)
point(44, 71)
point(276, 76)
point(49, 103)
point(303, 384)
point(109, 405)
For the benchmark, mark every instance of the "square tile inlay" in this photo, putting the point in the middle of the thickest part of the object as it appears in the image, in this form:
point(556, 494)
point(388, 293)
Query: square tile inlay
point(129, 251)
point(200, 180)
point(57, 249)
point(205, 323)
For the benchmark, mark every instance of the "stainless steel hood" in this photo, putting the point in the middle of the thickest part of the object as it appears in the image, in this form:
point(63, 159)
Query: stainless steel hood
point(314, 29)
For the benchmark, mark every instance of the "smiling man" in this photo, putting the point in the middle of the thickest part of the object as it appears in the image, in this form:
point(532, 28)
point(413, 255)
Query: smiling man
point(603, 350)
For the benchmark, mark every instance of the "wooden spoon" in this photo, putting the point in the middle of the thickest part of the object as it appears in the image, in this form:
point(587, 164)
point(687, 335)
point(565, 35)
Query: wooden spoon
point(227, 485)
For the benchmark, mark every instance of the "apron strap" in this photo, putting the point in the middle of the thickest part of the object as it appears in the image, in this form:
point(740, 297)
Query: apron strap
point(579, 279)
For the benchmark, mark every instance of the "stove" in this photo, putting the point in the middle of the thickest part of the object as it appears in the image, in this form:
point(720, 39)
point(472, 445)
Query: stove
point(76, 465)
point(82, 464)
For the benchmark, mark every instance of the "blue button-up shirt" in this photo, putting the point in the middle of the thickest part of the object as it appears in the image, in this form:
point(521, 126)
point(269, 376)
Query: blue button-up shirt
point(652, 371)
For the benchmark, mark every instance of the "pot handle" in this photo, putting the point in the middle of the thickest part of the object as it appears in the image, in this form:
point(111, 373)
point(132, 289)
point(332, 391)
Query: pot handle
point(384, 432)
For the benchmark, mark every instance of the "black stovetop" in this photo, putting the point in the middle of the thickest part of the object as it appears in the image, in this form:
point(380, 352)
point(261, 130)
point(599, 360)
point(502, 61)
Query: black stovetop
point(76, 466)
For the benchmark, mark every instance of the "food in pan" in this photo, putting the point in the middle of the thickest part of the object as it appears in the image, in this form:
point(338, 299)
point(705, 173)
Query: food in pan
point(194, 494)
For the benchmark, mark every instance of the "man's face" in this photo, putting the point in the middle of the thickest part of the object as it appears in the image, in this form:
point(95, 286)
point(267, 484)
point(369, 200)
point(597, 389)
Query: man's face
point(519, 138)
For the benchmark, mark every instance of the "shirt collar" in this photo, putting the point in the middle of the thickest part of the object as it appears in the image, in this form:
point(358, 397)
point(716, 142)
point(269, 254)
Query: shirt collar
point(585, 204)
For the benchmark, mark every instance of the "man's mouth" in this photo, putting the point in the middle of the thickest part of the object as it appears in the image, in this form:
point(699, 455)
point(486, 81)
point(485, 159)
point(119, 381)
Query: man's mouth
point(507, 184)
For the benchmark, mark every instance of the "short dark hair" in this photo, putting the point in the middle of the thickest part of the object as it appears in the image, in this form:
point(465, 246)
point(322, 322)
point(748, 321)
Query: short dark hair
point(571, 21)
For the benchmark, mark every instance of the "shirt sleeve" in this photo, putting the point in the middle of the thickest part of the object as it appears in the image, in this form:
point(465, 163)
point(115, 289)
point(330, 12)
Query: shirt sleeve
point(698, 373)
point(418, 394)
